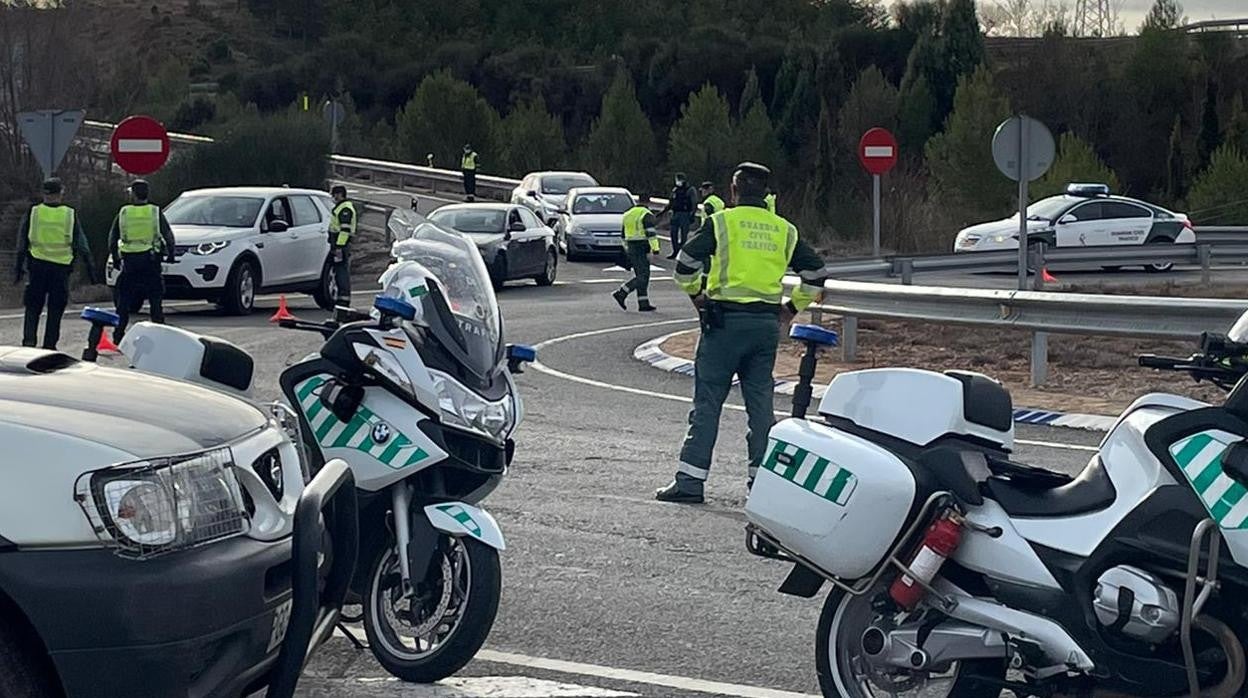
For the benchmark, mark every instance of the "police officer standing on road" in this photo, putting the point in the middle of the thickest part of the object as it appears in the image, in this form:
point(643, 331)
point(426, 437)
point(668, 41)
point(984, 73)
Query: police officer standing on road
point(640, 241)
point(136, 241)
point(49, 237)
point(468, 165)
point(711, 203)
point(741, 254)
point(342, 224)
point(681, 204)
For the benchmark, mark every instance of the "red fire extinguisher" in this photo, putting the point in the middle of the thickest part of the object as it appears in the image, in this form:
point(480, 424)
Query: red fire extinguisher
point(940, 542)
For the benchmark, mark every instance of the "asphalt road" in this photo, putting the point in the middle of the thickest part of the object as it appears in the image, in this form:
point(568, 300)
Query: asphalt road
point(606, 591)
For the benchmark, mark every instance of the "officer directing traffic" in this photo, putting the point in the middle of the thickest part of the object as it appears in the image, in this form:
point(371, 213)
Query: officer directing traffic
point(49, 238)
point(468, 166)
point(138, 240)
point(741, 255)
point(342, 225)
point(640, 241)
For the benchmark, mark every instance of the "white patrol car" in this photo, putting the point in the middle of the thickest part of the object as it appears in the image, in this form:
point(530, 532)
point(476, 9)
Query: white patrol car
point(1086, 215)
point(233, 243)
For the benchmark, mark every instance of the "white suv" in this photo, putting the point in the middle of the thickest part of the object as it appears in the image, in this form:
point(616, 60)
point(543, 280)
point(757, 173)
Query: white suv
point(236, 242)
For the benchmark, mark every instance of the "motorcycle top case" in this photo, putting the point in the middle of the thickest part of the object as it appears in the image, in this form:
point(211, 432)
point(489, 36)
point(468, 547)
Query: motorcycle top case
point(835, 499)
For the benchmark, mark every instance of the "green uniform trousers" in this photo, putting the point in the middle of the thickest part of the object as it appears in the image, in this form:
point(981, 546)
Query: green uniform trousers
point(744, 345)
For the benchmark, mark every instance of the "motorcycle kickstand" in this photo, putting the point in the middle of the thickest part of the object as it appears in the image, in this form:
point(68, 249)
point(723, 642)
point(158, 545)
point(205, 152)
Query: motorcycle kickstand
point(359, 645)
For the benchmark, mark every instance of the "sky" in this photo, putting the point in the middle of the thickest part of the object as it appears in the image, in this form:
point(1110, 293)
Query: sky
point(1133, 11)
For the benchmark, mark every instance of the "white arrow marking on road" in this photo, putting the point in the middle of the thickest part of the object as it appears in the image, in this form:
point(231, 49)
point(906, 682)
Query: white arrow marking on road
point(878, 151)
point(617, 268)
point(140, 145)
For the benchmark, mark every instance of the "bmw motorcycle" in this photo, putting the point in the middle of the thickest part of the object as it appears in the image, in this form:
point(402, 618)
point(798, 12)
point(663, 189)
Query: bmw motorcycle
point(957, 571)
point(420, 400)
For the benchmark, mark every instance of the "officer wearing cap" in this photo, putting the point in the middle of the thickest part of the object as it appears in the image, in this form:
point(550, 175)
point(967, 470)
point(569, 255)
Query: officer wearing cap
point(681, 203)
point(468, 166)
point(342, 225)
point(640, 241)
point(49, 238)
point(733, 269)
point(711, 203)
point(138, 240)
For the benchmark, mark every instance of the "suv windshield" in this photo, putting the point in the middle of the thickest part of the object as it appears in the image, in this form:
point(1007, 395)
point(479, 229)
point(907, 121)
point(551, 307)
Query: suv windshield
point(223, 211)
point(471, 221)
point(602, 203)
point(560, 184)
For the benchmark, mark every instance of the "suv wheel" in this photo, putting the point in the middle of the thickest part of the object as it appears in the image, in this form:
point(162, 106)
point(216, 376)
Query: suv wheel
point(239, 295)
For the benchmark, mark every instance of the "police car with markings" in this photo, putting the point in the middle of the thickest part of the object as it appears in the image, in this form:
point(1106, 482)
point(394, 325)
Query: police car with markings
point(1085, 215)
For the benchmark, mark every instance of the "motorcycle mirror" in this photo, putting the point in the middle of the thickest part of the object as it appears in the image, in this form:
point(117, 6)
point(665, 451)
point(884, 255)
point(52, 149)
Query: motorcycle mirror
point(518, 355)
point(343, 400)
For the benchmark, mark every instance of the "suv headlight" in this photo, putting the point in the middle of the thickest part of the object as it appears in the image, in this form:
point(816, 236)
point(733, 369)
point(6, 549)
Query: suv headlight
point(465, 409)
point(206, 248)
point(157, 506)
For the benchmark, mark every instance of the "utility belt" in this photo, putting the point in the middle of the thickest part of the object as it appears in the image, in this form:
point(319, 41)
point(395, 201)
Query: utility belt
point(711, 314)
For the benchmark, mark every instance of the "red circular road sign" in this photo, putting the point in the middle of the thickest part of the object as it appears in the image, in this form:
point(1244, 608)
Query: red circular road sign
point(140, 145)
point(877, 151)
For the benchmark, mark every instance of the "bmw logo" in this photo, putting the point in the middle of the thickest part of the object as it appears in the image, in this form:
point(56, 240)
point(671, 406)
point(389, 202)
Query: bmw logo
point(381, 433)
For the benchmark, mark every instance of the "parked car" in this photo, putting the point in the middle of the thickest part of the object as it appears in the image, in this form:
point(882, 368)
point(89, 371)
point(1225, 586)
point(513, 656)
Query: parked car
point(1087, 214)
point(591, 221)
point(514, 244)
point(237, 242)
point(544, 192)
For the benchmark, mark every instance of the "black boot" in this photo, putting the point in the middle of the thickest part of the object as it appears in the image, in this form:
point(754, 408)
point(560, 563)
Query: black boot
point(674, 493)
point(645, 307)
point(620, 296)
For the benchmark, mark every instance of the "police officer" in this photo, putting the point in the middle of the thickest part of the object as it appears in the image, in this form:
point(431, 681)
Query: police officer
point(681, 203)
point(741, 255)
point(49, 238)
point(640, 241)
point(138, 239)
point(468, 165)
point(711, 203)
point(342, 224)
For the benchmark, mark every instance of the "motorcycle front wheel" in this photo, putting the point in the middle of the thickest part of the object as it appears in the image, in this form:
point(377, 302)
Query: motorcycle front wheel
point(845, 673)
point(437, 629)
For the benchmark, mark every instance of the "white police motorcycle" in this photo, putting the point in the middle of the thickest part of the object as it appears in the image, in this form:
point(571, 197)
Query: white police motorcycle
point(420, 401)
point(951, 564)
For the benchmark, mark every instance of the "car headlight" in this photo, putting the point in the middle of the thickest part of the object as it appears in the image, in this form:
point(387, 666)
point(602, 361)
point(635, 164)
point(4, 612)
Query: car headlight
point(576, 230)
point(968, 240)
point(1002, 237)
point(285, 419)
point(463, 408)
point(384, 363)
point(157, 506)
point(206, 248)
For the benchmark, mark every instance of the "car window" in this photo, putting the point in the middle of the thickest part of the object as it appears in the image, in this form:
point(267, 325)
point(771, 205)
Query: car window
point(470, 221)
point(602, 203)
point(1090, 211)
point(217, 211)
point(304, 210)
point(1121, 209)
point(560, 184)
point(1048, 209)
point(530, 220)
point(513, 217)
point(278, 210)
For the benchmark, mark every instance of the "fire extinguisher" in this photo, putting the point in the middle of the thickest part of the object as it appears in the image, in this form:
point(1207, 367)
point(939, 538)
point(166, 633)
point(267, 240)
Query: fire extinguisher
point(940, 542)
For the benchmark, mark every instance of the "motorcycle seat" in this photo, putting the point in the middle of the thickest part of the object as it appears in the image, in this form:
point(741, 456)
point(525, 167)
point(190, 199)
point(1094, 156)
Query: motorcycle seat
point(1036, 493)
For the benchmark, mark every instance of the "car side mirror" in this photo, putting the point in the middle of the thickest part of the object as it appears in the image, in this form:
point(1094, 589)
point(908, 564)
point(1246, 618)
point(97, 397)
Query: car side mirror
point(1235, 462)
point(278, 226)
point(516, 227)
point(532, 193)
point(1066, 219)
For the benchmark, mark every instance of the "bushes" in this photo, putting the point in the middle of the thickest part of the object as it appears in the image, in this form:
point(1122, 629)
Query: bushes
point(1218, 197)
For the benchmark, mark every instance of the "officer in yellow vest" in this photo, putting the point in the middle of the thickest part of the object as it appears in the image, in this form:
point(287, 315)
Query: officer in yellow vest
point(342, 225)
point(711, 203)
point(139, 240)
point(740, 257)
point(640, 241)
point(468, 166)
point(49, 238)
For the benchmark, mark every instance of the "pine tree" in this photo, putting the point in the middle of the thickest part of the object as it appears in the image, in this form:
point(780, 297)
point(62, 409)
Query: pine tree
point(756, 140)
point(750, 94)
point(1075, 162)
point(1176, 171)
point(916, 116)
point(1237, 126)
point(532, 139)
point(1162, 16)
point(443, 115)
point(1210, 131)
point(961, 49)
point(621, 146)
point(701, 141)
point(871, 102)
point(960, 158)
point(1217, 196)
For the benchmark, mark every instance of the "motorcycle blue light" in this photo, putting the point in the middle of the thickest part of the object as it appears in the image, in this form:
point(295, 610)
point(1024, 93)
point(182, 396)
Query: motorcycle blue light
point(814, 333)
point(100, 315)
point(521, 352)
point(388, 305)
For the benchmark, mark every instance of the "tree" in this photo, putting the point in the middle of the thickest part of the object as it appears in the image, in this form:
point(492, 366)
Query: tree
point(531, 139)
point(1237, 125)
point(750, 94)
point(871, 102)
point(1176, 170)
point(443, 115)
point(621, 146)
point(1164, 15)
point(756, 139)
point(916, 116)
point(960, 158)
point(1210, 132)
point(961, 48)
point(1217, 196)
point(701, 143)
point(795, 102)
point(1075, 162)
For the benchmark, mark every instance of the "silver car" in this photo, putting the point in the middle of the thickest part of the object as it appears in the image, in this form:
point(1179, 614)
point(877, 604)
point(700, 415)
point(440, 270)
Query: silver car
point(543, 193)
point(591, 221)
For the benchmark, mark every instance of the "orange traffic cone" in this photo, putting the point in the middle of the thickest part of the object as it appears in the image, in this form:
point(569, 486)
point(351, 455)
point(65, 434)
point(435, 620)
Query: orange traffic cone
point(283, 313)
point(1046, 276)
point(106, 346)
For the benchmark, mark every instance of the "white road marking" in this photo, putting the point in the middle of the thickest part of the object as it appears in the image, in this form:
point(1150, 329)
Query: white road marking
point(538, 365)
point(619, 269)
point(455, 687)
point(616, 281)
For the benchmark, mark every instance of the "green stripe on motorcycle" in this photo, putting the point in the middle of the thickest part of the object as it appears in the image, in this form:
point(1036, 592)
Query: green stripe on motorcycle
point(1206, 473)
point(787, 461)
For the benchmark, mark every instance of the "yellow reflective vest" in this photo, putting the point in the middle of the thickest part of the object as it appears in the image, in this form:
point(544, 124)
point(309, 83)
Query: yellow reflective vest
point(716, 204)
point(635, 227)
point(139, 228)
point(469, 162)
point(340, 233)
point(753, 247)
point(51, 234)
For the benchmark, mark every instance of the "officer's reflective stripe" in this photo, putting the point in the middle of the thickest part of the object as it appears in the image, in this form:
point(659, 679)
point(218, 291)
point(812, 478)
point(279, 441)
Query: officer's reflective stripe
point(722, 249)
point(746, 295)
point(689, 283)
point(51, 234)
point(344, 231)
point(688, 260)
point(693, 471)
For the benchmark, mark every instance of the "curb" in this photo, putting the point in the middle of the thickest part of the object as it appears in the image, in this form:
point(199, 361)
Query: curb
point(651, 352)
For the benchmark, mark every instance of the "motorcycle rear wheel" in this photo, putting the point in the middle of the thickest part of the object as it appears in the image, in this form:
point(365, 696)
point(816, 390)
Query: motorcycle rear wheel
point(841, 667)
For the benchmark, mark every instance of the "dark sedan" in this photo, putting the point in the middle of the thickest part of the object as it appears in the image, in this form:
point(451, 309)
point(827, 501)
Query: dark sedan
point(512, 241)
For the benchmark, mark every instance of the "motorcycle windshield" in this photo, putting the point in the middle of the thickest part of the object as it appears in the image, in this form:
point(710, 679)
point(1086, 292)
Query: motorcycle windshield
point(1239, 332)
point(460, 307)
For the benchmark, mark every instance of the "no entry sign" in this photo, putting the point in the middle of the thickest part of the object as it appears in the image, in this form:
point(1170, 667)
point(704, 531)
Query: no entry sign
point(140, 145)
point(877, 151)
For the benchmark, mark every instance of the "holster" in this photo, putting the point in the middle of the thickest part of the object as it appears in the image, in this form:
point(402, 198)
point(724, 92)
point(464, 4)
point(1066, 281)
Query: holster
point(711, 316)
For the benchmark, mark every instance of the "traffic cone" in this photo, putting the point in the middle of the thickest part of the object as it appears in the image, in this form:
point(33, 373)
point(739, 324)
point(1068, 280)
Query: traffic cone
point(1046, 277)
point(105, 345)
point(283, 313)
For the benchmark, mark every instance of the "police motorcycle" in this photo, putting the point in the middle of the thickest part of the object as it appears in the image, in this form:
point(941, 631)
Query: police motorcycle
point(419, 398)
point(956, 571)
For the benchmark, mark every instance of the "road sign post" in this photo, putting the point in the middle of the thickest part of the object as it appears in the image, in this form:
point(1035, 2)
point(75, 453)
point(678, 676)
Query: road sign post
point(1023, 150)
point(877, 151)
point(48, 133)
point(140, 145)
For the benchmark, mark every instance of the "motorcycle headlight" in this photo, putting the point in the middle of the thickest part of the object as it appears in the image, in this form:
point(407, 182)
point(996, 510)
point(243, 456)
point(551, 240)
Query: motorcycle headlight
point(463, 408)
point(384, 363)
point(205, 248)
point(153, 507)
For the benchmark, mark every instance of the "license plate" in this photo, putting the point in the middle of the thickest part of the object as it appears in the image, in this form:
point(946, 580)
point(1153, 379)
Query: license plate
point(281, 623)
